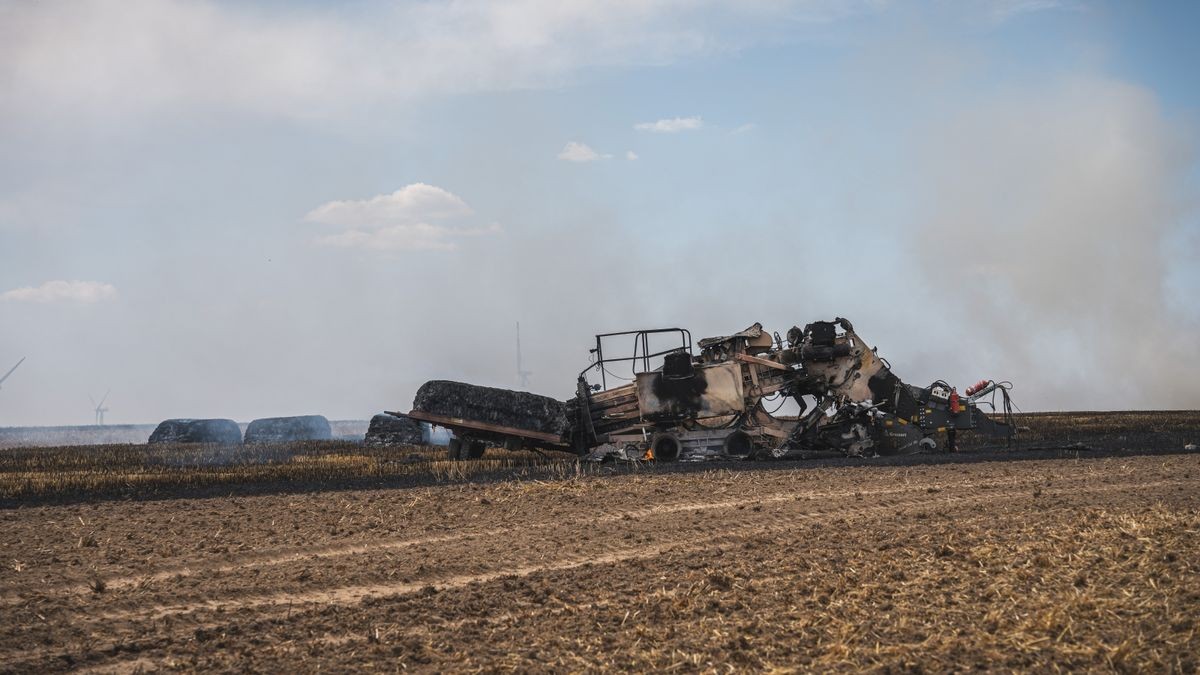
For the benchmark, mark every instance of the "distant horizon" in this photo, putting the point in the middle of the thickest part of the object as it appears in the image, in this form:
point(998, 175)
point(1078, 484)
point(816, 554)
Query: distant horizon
point(366, 420)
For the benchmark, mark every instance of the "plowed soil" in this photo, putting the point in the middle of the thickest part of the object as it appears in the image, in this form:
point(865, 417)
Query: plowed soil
point(1067, 564)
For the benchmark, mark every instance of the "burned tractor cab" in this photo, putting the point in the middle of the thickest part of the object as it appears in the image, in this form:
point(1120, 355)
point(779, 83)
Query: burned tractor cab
point(672, 405)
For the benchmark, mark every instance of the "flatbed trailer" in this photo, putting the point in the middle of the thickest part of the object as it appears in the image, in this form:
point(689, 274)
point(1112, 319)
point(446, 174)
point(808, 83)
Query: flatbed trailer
point(470, 435)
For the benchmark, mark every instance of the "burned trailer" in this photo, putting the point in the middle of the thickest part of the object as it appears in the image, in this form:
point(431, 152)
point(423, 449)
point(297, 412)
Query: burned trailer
point(482, 416)
point(659, 397)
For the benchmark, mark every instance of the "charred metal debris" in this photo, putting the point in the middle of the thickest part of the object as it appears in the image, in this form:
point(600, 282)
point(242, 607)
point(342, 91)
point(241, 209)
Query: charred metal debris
point(652, 394)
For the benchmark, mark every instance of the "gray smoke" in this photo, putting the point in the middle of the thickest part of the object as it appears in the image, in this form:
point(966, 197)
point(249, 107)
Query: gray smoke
point(1050, 223)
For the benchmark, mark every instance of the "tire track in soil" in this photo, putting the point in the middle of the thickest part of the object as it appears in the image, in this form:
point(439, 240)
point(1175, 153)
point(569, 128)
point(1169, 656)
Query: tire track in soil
point(323, 552)
point(286, 603)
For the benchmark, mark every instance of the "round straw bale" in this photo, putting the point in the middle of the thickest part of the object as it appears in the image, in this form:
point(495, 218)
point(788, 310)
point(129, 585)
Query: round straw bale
point(518, 409)
point(224, 432)
point(388, 429)
point(285, 429)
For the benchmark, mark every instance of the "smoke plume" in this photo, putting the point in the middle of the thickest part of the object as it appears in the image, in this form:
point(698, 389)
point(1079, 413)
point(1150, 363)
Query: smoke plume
point(1048, 220)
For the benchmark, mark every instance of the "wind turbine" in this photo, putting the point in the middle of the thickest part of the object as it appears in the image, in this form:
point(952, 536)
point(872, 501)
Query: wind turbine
point(522, 374)
point(10, 370)
point(100, 409)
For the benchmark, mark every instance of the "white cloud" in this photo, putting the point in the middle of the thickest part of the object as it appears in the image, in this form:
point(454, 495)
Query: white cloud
point(97, 57)
point(413, 237)
point(630, 155)
point(62, 291)
point(400, 221)
point(744, 128)
point(575, 151)
point(670, 126)
point(410, 204)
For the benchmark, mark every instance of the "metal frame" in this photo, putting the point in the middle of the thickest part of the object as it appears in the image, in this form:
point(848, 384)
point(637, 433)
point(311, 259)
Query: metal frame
point(641, 341)
point(487, 430)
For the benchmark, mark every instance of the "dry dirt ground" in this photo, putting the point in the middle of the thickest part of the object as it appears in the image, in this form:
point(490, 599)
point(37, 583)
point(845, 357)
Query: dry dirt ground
point(1061, 564)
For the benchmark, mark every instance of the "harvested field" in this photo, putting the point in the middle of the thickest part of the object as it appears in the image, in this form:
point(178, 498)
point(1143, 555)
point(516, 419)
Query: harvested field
point(1125, 430)
point(1079, 563)
point(166, 470)
point(171, 470)
point(1082, 563)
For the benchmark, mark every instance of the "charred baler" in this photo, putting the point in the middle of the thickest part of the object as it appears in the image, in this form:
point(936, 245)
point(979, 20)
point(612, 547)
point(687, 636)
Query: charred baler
point(663, 398)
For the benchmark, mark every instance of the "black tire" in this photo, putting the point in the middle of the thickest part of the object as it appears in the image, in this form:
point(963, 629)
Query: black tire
point(455, 448)
point(666, 447)
point(738, 444)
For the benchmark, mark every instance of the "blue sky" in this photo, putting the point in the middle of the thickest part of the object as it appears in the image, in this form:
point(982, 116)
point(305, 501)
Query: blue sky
point(241, 209)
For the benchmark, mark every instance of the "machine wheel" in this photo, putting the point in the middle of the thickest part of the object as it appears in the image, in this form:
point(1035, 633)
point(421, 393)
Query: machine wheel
point(455, 448)
point(738, 444)
point(666, 447)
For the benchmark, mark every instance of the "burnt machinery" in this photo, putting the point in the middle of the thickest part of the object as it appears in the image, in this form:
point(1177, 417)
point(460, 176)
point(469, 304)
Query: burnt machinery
point(659, 396)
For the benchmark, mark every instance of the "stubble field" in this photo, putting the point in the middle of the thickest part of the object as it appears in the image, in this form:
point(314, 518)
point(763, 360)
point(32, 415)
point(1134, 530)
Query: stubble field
point(1071, 563)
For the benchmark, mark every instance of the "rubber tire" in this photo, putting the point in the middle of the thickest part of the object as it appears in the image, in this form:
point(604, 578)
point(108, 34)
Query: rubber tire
point(738, 444)
point(660, 445)
point(455, 448)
